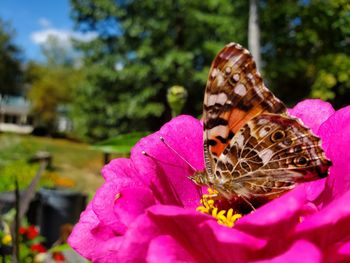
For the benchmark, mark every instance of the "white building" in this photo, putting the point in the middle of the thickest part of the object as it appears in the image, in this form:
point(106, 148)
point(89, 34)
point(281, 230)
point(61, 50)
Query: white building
point(15, 115)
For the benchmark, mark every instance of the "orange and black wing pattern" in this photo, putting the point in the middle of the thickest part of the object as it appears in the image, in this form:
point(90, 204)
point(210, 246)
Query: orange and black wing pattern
point(235, 93)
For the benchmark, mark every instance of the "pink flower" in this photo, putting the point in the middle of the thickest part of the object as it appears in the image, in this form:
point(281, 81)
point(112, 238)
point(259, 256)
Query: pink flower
point(145, 211)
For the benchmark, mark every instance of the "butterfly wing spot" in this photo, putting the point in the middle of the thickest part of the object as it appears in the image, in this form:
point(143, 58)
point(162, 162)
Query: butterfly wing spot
point(220, 98)
point(228, 70)
point(262, 122)
point(266, 155)
point(214, 73)
point(240, 90)
point(264, 131)
point(232, 80)
point(296, 149)
point(240, 140)
point(212, 123)
point(277, 136)
point(212, 142)
point(221, 139)
point(288, 141)
point(301, 161)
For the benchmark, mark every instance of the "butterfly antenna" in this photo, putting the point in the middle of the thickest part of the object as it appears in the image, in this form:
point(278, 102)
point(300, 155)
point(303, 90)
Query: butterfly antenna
point(182, 158)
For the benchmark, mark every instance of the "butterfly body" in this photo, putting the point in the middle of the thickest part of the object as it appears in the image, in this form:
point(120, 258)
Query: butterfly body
point(252, 147)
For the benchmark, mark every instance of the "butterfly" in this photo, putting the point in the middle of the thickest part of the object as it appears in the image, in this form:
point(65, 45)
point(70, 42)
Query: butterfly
point(252, 147)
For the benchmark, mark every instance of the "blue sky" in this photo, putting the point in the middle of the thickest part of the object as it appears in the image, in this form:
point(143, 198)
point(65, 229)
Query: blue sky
point(35, 20)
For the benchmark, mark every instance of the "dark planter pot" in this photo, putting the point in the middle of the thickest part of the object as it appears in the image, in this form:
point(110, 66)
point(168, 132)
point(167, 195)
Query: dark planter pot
point(5, 250)
point(7, 202)
point(58, 207)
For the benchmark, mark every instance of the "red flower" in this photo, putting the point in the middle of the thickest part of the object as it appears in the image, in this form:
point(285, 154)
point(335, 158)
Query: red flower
point(22, 230)
point(32, 232)
point(58, 256)
point(39, 248)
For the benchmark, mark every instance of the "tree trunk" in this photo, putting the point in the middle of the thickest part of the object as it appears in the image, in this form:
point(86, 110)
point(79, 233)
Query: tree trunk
point(254, 32)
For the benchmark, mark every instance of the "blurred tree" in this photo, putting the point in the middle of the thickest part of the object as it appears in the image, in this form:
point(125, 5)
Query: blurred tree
point(57, 54)
point(306, 49)
point(144, 47)
point(53, 83)
point(11, 74)
point(254, 32)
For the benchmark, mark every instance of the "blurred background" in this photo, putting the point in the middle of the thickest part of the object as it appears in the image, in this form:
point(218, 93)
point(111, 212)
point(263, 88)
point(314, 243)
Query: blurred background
point(82, 80)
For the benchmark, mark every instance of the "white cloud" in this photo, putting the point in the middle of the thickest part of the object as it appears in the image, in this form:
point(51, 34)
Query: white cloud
point(63, 36)
point(44, 22)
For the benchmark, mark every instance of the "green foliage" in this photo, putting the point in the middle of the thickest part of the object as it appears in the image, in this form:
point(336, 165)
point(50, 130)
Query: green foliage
point(144, 47)
point(11, 75)
point(332, 80)
point(121, 143)
point(306, 49)
point(20, 169)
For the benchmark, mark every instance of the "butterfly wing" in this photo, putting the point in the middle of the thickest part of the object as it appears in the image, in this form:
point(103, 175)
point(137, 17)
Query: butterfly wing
point(269, 155)
point(235, 93)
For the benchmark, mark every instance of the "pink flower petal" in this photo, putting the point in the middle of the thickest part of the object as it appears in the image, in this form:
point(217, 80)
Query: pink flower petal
point(313, 112)
point(335, 133)
point(231, 245)
point(89, 233)
point(314, 189)
point(163, 170)
point(122, 197)
point(276, 217)
point(132, 203)
point(166, 249)
point(183, 225)
point(103, 205)
point(342, 254)
point(136, 241)
point(328, 226)
point(300, 251)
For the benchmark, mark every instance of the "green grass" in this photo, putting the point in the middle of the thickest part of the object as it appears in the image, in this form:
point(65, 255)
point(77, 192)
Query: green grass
point(75, 164)
point(120, 144)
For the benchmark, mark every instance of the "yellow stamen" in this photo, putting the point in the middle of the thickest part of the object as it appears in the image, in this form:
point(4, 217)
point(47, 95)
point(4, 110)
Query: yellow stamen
point(226, 218)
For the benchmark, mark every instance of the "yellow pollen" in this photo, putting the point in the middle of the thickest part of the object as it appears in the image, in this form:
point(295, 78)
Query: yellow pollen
point(223, 217)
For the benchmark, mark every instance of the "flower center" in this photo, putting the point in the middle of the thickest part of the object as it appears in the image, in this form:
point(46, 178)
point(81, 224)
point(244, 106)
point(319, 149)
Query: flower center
point(226, 217)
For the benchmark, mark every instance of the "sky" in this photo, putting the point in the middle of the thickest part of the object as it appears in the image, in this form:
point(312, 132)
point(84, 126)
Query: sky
point(35, 20)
